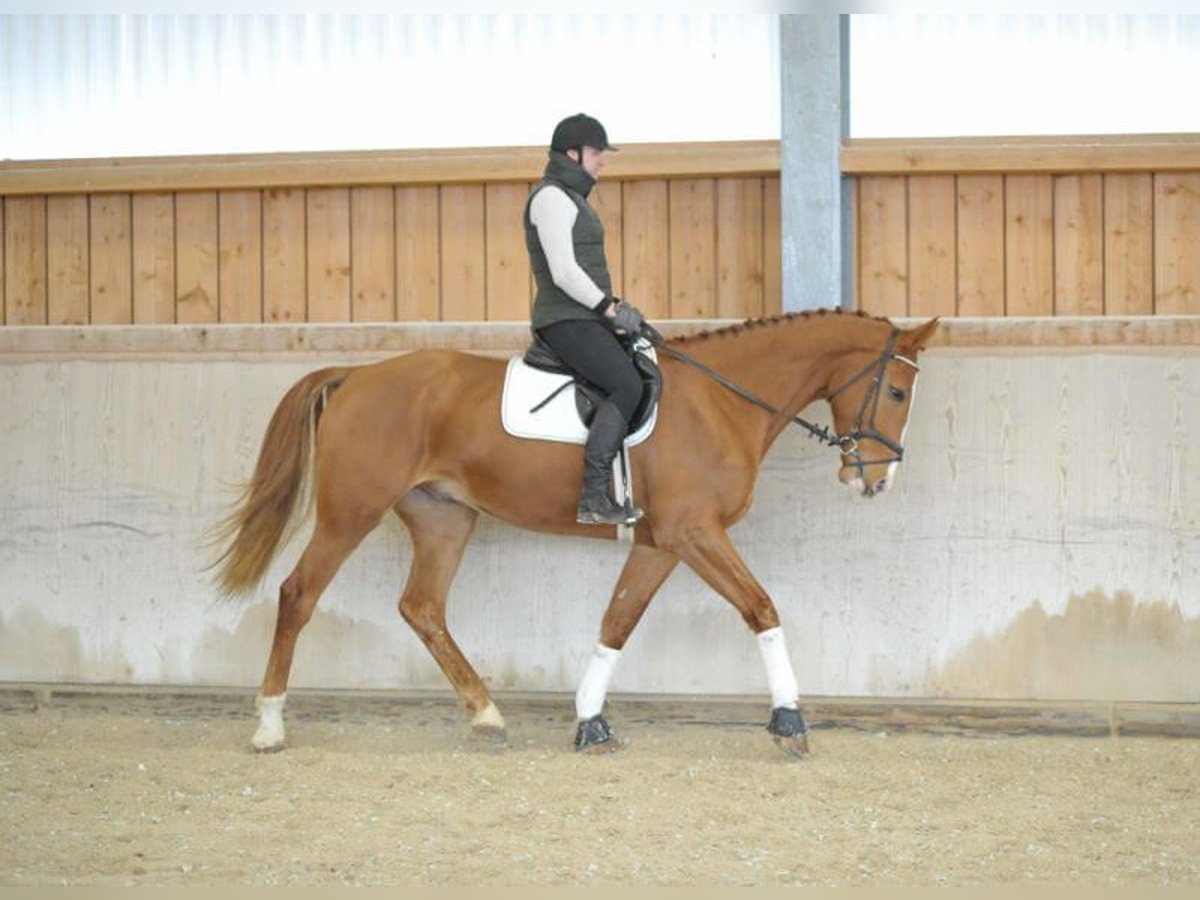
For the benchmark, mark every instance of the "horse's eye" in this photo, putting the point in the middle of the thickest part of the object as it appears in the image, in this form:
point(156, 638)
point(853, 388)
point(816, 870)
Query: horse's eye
point(896, 393)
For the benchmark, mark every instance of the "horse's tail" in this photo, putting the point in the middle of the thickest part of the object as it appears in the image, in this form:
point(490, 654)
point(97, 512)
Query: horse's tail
point(254, 527)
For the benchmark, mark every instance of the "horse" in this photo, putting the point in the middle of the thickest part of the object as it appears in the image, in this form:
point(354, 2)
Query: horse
point(420, 435)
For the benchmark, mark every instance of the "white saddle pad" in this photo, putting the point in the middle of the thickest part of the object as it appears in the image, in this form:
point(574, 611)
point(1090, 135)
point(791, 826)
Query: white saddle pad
point(526, 387)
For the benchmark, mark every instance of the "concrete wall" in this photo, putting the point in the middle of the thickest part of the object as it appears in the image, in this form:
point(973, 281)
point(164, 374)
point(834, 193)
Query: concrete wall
point(1043, 540)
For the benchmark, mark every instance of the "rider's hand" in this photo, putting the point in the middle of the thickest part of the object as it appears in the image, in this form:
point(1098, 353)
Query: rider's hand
point(627, 317)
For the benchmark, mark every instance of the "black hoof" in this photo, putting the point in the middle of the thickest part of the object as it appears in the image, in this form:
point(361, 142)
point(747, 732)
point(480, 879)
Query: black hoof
point(789, 731)
point(594, 736)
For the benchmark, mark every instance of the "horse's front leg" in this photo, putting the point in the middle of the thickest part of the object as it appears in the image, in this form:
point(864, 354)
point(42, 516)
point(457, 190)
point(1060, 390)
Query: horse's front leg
point(645, 571)
point(708, 550)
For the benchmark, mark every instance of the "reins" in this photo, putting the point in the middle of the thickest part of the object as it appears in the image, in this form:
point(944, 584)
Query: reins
point(848, 443)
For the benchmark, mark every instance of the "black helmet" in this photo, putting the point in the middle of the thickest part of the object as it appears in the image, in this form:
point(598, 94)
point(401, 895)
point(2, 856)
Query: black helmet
point(579, 130)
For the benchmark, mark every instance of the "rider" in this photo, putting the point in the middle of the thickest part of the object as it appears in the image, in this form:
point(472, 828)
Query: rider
point(574, 310)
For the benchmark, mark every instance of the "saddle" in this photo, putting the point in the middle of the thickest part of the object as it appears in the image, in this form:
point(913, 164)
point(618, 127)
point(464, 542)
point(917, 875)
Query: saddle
point(539, 403)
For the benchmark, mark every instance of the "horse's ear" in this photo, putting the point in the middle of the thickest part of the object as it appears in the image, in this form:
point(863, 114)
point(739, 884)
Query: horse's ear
point(917, 338)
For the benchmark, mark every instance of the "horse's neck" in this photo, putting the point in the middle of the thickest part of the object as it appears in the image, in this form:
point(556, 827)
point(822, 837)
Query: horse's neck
point(789, 362)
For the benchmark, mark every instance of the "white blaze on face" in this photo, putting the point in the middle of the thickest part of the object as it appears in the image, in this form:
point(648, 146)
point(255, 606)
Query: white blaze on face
point(912, 398)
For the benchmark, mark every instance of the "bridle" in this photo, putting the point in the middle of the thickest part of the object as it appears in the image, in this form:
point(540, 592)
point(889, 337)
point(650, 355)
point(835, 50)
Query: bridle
point(847, 444)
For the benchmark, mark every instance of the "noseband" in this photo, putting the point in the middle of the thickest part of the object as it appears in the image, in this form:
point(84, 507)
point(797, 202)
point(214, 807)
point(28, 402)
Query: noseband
point(847, 444)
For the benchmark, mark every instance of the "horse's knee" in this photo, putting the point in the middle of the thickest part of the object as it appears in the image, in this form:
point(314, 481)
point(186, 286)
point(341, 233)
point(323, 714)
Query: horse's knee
point(294, 611)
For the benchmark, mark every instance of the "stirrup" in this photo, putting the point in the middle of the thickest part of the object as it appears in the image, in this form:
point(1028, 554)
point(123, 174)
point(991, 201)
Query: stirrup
point(605, 512)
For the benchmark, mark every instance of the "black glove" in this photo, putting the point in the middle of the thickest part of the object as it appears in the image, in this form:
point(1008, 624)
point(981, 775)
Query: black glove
point(627, 318)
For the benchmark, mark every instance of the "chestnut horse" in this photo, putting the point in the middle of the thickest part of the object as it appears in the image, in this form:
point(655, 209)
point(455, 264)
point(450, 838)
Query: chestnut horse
point(420, 434)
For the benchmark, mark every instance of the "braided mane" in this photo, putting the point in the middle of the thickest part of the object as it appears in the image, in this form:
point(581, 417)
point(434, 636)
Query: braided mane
point(768, 322)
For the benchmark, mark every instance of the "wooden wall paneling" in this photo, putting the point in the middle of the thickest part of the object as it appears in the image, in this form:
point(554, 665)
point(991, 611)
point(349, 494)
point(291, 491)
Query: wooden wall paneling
point(883, 245)
point(68, 280)
point(112, 259)
point(1176, 243)
point(1078, 245)
point(692, 211)
point(932, 237)
point(464, 280)
point(607, 198)
point(773, 251)
point(373, 254)
point(980, 245)
point(153, 259)
point(741, 257)
point(740, 248)
point(647, 249)
point(328, 216)
point(239, 255)
point(1128, 244)
point(285, 255)
point(25, 260)
point(1029, 245)
point(418, 254)
point(508, 273)
point(196, 257)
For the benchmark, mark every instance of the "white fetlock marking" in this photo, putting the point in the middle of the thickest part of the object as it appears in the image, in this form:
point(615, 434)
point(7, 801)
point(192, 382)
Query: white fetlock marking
point(781, 680)
point(488, 717)
point(270, 722)
point(589, 699)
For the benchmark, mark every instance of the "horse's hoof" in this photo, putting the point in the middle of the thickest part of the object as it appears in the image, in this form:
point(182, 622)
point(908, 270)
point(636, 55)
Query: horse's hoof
point(795, 747)
point(789, 731)
point(270, 748)
point(595, 738)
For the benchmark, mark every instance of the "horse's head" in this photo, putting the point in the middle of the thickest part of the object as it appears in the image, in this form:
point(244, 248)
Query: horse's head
point(871, 396)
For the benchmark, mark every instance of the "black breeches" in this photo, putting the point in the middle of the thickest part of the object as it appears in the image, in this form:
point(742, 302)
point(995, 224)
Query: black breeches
point(593, 352)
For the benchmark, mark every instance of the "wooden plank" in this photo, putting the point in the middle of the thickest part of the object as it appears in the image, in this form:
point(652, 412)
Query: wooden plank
point(1048, 154)
point(340, 168)
point(1176, 260)
point(1029, 245)
point(372, 254)
point(693, 243)
point(508, 273)
point(464, 284)
point(1078, 245)
point(112, 259)
point(25, 261)
point(932, 237)
point(196, 257)
point(285, 256)
point(647, 247)
point(607, 199)
point(773, 250)
point(328, 242)
point(740, 248)
point(153, 259)
point(883, 245)
point(239, 256)
point(67, 260)
point(1129, 244)
point(980, 245)
point(418, 255)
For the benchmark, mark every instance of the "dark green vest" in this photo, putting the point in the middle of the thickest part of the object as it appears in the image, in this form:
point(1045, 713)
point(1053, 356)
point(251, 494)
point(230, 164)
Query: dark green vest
point(551, 304)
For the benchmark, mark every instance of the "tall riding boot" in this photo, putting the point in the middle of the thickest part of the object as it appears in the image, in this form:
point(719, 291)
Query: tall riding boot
point(596, 506)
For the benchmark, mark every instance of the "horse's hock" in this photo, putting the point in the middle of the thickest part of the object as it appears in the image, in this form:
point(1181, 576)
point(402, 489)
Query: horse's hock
point(1040, 542)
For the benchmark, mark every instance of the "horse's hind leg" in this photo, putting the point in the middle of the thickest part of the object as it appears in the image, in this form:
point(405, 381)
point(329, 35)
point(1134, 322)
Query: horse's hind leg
point(298, 595)
point(440, 528)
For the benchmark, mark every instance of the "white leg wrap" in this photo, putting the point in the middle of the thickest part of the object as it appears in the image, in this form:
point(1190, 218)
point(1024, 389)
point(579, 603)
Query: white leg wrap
point(270, 722)
point(589, 699)
point(781, 680)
